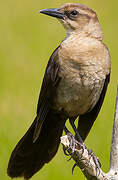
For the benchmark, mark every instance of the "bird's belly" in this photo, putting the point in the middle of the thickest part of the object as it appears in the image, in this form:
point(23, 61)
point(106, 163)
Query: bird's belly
point(77, 95)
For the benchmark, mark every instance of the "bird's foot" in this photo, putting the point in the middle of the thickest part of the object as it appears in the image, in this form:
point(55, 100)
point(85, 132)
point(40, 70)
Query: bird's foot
point(96, 161)
point(72, 143)
point(66, 149)
point(72, 146)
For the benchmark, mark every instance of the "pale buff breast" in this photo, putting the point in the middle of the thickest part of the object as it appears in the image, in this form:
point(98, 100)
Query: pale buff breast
point(83, 71)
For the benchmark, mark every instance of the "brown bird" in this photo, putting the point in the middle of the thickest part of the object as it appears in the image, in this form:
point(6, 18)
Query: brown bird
point(74, 85)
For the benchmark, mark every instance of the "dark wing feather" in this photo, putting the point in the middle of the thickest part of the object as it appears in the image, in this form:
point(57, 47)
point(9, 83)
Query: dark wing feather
point(86, 121)
point(29, 156)
point(47, 92)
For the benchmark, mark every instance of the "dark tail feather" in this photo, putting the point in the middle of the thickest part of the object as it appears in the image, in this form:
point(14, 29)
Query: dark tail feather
point(28, 157)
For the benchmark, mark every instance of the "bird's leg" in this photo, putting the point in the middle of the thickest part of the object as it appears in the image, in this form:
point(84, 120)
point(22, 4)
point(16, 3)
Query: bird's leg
point(71, 120)
point(72, 144)
point(66, 130)
point(80, 141)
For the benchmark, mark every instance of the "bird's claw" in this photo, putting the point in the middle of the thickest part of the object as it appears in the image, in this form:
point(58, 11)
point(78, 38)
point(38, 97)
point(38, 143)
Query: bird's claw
point(74, 167)
point(96, 161)
point(65, 151)
point(81, 146)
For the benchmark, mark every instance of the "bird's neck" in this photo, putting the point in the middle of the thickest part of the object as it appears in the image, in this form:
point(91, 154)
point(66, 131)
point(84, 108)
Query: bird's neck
point(92, 30)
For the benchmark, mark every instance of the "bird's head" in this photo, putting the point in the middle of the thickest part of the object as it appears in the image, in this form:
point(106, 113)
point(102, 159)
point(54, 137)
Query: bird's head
point(77, 18)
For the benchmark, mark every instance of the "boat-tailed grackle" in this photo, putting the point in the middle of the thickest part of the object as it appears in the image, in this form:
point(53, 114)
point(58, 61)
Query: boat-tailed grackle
point(74, 86)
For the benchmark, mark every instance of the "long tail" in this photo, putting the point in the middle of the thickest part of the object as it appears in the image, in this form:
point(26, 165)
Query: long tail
point(27, 158)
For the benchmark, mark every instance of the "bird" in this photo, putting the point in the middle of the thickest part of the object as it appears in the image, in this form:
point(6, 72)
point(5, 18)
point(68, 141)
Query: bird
point(74, 86)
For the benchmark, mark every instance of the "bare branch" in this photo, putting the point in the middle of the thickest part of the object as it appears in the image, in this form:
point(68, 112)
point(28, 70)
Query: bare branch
point(85, 159)
point(114, 144)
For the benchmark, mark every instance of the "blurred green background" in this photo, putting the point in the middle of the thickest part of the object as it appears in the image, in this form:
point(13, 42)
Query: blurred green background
point(27, 39)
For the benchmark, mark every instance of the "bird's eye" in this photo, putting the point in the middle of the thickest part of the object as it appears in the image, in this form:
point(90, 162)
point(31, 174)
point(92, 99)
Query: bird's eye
point(74, 13)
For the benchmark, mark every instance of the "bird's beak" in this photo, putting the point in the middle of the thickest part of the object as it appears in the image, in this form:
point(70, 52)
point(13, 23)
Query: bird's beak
point(53, 12)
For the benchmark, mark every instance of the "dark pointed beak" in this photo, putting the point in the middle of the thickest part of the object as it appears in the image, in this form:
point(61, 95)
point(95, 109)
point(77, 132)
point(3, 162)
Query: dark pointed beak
point(53, 12)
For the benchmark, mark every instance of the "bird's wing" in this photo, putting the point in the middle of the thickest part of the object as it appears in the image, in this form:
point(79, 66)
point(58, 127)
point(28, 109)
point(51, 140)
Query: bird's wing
point(48, 89)
point(86, 120)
